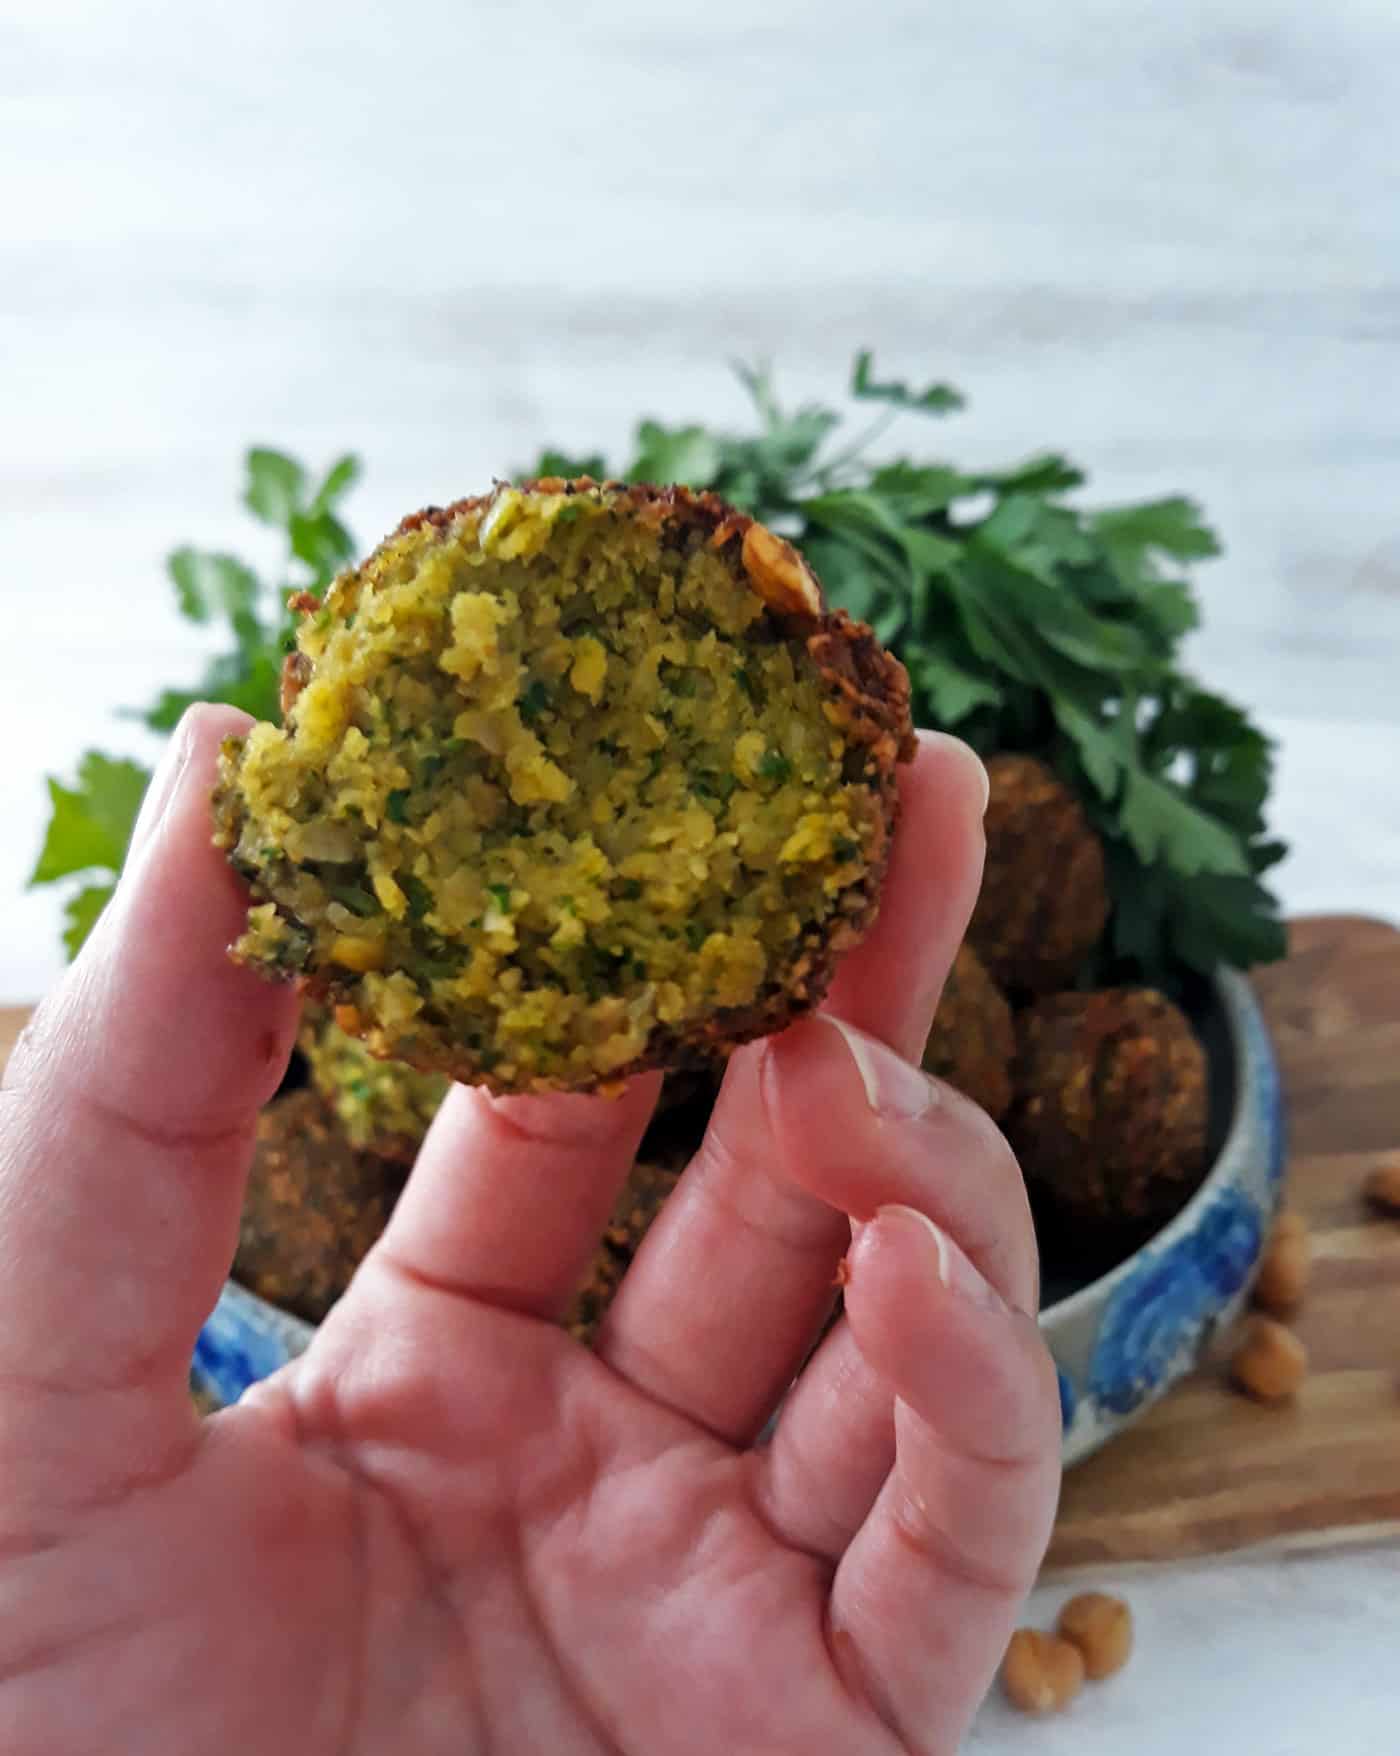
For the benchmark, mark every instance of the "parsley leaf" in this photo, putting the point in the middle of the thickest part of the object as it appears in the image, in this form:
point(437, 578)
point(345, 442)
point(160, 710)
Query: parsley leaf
point(91, 823)
point(937, 399)
point(81, 912)
point(89, 829)
point(276, 487)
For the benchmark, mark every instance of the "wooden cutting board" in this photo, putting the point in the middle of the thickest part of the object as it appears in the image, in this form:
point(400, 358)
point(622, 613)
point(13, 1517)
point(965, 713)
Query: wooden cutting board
point(1206, 1469)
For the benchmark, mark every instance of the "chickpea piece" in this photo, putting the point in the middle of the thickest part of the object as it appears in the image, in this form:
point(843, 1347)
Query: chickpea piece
point(1287, 1263)
point(1270, 1362)
point(1382, 1187)
point(1101, 1626)
point(1041, 1673)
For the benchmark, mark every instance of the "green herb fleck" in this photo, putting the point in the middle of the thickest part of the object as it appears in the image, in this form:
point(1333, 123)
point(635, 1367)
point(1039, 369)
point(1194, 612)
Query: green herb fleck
point(354, 897)
point(396, 805)
point(420, 898)
point(500, 894)
point(773, 765)
point(535, 701)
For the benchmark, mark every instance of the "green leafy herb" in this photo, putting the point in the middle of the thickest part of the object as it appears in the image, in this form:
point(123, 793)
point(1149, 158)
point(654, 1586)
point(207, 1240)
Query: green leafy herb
point(80, 912)
point(420, 898)
point(773, 765)
point(354, 897)
point(500, 893)
point(396, 805)
point(90, 823)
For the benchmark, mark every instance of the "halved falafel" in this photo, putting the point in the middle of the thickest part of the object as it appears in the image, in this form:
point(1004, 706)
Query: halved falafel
point(1111, 1108)
point(383, 1107)
point(1044, 899)
point(576, 780)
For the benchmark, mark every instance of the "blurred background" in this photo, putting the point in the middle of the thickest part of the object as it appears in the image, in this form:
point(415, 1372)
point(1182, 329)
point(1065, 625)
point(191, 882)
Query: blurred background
point(1163, 240)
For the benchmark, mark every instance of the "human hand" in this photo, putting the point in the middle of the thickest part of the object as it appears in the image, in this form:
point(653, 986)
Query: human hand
point(448, 1526)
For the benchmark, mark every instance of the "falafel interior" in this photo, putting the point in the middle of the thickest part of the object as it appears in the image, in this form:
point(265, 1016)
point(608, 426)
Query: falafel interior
point(382, 1107)
point(560, 795)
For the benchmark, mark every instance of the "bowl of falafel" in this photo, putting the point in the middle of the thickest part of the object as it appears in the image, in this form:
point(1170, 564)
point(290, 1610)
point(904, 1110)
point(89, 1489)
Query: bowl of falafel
point(575, 780)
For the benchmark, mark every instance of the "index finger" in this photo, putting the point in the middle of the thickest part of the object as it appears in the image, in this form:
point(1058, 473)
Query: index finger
point(129, 1109)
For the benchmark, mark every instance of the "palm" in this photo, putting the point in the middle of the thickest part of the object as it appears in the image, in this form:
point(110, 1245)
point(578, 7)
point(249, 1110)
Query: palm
point(448, 1527)
point(558, 1564)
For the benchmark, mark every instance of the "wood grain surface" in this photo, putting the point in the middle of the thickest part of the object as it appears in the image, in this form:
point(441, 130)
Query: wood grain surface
point(1207, 1470)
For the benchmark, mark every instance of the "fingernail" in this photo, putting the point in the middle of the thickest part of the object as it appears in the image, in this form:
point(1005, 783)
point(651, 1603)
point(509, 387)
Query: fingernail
point(165, 783)
point(954, 1269)
point(894, 1087)
point(971, 761)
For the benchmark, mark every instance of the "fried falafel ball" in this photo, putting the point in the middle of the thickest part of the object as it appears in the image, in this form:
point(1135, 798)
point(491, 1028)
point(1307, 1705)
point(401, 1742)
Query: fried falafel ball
point(973, 1042)
point(642, 1198)
point(383, 1107)
point(575, 781)
point(1044, 901)
point(1110, 1109)
point(313, 1209)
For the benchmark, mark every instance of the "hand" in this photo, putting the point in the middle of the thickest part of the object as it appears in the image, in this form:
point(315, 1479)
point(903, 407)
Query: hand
point(448, 1527)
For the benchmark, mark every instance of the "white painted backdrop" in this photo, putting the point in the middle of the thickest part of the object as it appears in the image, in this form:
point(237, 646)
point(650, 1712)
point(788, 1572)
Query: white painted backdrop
point(1161, 238)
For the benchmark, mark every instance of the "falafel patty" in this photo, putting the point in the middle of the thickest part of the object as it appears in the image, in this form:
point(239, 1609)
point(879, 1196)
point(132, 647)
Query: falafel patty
point(1044, 897)
point(313, 1208)
point(575, 780)
point(972, 1043)
point(1111, 1107)
point(383, 1107)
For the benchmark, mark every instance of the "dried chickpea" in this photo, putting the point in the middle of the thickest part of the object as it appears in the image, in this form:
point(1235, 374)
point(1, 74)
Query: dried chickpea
point(1270, 1363)
point(1382, 1186)
point(1287, 1262)
point(1101, 1626)
point(1041, 1673)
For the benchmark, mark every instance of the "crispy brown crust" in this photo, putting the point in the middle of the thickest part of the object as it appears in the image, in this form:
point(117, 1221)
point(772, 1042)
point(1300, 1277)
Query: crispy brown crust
point(314, 1206)
point(871, 688)
point(1044, 899)
point(1111, 1107)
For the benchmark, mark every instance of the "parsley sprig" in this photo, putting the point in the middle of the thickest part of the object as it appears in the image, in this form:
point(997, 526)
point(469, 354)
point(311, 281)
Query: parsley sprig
point(91, 820)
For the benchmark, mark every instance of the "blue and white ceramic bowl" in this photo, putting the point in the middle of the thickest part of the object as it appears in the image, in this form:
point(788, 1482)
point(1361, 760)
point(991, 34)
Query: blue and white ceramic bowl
point(1119, 1342)
point(1124, 1339)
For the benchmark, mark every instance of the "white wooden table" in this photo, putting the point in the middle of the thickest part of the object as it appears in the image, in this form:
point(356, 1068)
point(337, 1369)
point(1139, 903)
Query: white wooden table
point(1162, 239)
